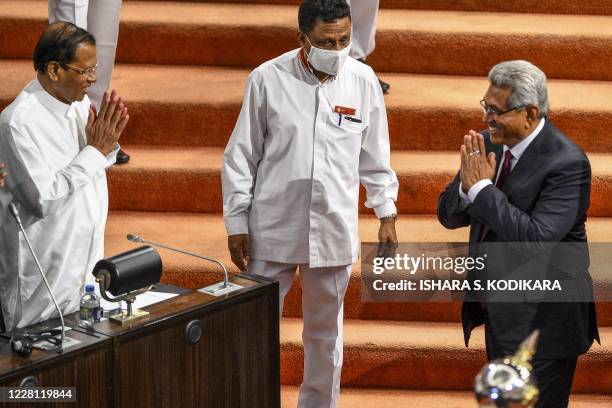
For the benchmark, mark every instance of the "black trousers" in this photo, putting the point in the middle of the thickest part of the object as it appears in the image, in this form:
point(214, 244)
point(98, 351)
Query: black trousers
point(554, 376)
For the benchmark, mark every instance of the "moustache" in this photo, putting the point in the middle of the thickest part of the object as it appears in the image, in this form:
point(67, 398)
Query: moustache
point(493, 127)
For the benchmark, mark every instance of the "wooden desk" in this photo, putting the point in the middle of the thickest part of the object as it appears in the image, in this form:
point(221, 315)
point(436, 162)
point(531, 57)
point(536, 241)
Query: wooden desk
point(86, 366)
point(149, 363)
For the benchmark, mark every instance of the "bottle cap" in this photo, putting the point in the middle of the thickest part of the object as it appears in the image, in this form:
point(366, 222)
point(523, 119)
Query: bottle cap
point(89, 288)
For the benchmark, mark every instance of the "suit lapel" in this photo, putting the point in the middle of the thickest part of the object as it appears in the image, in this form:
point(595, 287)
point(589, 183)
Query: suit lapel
point(529, 162)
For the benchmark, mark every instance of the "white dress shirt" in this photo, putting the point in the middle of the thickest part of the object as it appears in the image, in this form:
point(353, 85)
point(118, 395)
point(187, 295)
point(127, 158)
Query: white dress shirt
point(516, 151)
point(292, 167)
point(59, 186)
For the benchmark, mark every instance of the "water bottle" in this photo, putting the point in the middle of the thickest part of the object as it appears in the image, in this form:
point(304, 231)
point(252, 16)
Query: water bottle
point(90, 311)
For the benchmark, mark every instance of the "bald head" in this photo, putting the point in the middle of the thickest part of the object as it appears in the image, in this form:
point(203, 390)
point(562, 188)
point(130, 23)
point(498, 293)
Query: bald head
point(59, 43)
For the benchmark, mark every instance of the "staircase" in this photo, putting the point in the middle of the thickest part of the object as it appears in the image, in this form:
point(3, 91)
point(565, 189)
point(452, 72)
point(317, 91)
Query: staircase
point(181, 69)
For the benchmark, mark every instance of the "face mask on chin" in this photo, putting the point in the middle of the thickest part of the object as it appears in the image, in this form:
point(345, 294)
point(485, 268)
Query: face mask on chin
point(327, 61)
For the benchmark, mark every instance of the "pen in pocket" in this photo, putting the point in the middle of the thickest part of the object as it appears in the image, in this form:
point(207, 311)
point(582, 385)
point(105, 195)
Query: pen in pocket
point(339, 119)
point(352, 119)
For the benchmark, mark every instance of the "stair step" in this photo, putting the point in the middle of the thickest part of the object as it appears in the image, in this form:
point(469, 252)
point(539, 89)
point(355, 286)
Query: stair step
point(545, 7)
point(423, 355)
point(205, 234)
point(416, 41)
point(188, 180)
point(391, 398)
point(198, 106)
point(194, 109)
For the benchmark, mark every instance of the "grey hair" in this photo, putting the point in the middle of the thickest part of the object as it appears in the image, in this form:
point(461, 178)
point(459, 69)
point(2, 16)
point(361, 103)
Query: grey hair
point(528, 84)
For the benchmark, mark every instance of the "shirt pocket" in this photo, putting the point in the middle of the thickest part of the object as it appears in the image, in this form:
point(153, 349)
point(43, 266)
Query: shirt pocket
point(341, 124)
point(344, 144)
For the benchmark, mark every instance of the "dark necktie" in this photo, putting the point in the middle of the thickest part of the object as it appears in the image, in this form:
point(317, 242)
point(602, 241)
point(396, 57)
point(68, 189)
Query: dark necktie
point(501, 179)
point(505, 170)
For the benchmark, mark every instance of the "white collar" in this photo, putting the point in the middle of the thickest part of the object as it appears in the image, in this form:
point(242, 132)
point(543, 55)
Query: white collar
point(519, 148)
point(49, 101)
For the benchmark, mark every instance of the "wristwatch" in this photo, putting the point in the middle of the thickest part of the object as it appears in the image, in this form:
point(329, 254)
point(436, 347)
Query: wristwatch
point(390, 216)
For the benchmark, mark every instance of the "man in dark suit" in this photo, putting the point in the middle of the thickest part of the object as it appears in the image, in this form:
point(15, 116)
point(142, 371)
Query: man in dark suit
point(522, 181)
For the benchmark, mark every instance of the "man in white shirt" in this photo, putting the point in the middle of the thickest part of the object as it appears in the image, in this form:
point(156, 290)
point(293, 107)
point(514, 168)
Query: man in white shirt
point(57, 147)
point(313, 125)
point(101, 19)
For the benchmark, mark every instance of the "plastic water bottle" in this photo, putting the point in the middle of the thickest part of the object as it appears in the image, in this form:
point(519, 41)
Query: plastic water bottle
point(90, 311)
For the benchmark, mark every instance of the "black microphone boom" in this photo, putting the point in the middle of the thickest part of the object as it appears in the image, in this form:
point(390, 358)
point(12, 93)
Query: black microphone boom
point(15, 214)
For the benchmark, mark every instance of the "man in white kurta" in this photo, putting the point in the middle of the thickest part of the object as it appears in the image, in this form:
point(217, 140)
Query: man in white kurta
point(56, 155)
point(101, 19)
point(304, 140)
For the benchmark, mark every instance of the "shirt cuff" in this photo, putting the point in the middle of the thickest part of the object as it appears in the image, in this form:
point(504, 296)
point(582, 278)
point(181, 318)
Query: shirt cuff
point(385, 209)
point(111, 158)
point(475, 189)
point(91, 160)
point(464, 200)
point(238, 224)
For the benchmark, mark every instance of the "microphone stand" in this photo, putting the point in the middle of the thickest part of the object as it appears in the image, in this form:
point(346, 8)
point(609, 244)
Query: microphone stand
point(15, 214)
point(216, 289)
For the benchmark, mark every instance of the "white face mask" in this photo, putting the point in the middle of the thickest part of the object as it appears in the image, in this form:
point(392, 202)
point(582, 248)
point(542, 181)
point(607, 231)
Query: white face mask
point(327, 61)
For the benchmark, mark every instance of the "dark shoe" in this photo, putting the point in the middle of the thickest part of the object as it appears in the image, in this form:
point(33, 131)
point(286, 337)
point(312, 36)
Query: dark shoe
point(122, 157)
point(384, 86)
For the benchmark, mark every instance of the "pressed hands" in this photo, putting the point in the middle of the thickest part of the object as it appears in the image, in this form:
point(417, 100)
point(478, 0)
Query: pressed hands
point(104, 128)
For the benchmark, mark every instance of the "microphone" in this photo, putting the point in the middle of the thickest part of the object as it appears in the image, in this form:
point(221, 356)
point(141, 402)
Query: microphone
point(216, 289)
point(15, 214)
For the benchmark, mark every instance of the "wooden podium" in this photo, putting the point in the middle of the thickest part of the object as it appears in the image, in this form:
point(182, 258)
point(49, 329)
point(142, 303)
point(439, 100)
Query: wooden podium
point(152, 363)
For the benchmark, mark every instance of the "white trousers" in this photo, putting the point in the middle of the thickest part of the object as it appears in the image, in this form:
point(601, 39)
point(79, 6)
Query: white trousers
point(323, 292)
point(363, 17)
point(101, 19)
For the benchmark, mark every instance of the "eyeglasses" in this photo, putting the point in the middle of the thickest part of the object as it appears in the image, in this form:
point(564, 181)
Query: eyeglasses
point(489, 111)
point(80, 71)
